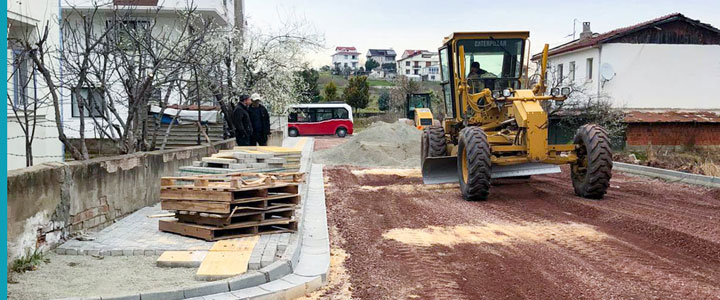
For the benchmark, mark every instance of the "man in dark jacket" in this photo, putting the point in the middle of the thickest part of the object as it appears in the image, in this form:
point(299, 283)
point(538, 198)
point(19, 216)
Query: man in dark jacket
point(241, 122)
point(260, 119)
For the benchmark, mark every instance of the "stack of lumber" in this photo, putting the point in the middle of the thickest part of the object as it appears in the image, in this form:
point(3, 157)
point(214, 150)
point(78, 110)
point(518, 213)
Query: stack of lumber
point(215, 207)
point(247, 159)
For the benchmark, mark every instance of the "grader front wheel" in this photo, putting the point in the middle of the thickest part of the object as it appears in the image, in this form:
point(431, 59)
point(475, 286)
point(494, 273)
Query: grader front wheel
point(592, 171)
point(433, 143)
point(474, 165)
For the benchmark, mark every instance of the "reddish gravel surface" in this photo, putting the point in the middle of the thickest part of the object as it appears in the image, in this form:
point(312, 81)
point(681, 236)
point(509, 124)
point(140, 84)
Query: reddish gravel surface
point(646, 239)
point(325, 142)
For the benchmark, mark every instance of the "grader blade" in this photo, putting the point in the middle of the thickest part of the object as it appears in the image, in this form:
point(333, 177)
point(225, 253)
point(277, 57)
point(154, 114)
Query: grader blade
point(443, 169)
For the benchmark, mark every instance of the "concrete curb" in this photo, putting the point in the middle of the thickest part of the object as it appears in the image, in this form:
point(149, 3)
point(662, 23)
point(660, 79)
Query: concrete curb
point(670, 175)
point(277, 280)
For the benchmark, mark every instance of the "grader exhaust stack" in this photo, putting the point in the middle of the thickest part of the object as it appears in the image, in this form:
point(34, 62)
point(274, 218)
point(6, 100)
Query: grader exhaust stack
point(496, 127)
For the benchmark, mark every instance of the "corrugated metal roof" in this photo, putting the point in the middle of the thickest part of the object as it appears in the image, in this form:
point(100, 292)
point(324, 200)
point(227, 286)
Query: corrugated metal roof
point(672, 117)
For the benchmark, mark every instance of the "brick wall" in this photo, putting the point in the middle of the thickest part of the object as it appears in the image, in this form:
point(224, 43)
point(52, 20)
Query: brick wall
point(673, 134)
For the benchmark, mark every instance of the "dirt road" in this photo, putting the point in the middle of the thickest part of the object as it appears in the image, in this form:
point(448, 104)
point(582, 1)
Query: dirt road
point(532, 239)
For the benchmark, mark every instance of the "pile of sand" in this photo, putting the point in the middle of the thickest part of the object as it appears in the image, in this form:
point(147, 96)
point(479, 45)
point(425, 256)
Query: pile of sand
point(380, 145)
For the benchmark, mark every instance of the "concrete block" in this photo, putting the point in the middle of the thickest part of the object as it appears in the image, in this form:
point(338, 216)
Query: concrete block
point(183, 259)
point(149, 252)
point(127, 252)
point(239, 155)
point(60, 251)
point(258, 165)
point(116, 253)
point(284, 289)
point(247, 280)
point(221, 296)
point(253, 293)
point(275, 160)
point(277, 270)
point(248, 161)
point(197, 164)
point(313, 265)
point(238, 166)
point(268, 255)
point(105, 253)
point(207, 289)
point(71, 252)
point(163, 295)
point(123, 297)
point(138, 252)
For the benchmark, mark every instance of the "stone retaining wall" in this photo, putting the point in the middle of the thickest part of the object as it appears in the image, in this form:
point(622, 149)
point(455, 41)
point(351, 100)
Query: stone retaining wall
point(50, 202)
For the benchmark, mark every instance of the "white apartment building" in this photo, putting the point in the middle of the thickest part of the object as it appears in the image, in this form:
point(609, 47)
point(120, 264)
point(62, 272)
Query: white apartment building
point(420, 63)
point(346, 57)
point(384, 57)
point(220, 11)
point(635, 66)
point(25, 22)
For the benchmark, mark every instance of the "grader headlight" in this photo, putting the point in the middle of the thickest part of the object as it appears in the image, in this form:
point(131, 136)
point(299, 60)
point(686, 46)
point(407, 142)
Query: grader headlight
point(496, 94)
point(506, 93)
point(555, 92)
point(565, 91)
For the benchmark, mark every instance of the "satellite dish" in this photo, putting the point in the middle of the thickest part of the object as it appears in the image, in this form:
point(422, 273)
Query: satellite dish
point(607, 72)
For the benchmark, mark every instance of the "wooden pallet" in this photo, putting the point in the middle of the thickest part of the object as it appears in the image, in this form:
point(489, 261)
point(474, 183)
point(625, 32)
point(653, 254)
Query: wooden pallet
point(272, 201)
point(281, 213)
point(232, 181)
point(210, 233)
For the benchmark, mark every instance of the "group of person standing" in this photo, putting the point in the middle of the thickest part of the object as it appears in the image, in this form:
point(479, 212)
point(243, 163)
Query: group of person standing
point(251, 121)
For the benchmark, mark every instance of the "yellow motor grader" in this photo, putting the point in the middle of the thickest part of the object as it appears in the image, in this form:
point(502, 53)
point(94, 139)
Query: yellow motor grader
point(496, 126)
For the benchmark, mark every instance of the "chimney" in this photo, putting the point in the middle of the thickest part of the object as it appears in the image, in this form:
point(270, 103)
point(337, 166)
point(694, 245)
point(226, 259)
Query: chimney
point(586, 33)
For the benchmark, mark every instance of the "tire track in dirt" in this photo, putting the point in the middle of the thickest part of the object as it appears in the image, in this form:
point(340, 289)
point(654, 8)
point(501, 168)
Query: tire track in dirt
point(661, 239)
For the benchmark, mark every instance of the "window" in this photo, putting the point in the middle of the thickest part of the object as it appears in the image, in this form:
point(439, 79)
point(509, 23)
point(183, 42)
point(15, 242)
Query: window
point(571, 72)
point(20, 79)
point(407, 71)
point(560, 73)
point(416, 71)
point(427, 63)
point(589, 69)
point(500, 61)
point(444, 64)
point(353, 57)
point(299, 115)
point(322, 114)
point(340, 113)
point(407, 63)
point(345, 56)
point(417, 64)
point(93, 105)
point(127, 32)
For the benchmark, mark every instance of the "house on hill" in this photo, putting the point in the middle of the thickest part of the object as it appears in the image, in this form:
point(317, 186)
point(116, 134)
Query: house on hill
point(346, 57)
point(385, 58)
point(419, 63)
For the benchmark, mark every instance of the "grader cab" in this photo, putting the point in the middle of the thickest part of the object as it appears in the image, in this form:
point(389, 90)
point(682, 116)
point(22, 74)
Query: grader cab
point(495, 125)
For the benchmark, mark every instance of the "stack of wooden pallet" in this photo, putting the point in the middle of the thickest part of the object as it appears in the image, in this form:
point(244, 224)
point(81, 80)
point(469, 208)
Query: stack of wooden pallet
point(215, 207)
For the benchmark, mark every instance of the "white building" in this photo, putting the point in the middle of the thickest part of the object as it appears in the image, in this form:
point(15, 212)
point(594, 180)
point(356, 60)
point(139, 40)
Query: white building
point(25, 22)
point(144, 14)
point(656, 64)
point(346, 57)
point(419, 62)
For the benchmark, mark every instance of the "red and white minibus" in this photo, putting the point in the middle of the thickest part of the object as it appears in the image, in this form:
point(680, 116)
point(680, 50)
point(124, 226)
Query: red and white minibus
point(320, 119)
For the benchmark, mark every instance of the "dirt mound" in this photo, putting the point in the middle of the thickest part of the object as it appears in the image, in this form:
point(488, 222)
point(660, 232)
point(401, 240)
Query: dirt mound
point(380, 145)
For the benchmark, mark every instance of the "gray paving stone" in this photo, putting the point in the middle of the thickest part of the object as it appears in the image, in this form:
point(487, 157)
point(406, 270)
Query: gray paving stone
point(268, 255)
point(163, 295)
point(128, 252)
point(277, 270)
point(60, 251)
point(124, 297)
point(247, 280)
point(251, 293)
point(210, 288)
point(71, 252)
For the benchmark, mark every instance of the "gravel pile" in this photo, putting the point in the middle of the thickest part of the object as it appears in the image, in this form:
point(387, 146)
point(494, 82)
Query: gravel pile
point(380, 145)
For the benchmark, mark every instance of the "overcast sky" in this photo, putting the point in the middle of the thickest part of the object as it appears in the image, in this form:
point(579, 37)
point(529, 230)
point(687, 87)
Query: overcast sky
point(421, 24)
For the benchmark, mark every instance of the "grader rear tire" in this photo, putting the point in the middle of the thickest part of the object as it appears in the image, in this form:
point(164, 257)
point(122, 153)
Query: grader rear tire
point(592, 172)
point(433, 143)
point(474, 164)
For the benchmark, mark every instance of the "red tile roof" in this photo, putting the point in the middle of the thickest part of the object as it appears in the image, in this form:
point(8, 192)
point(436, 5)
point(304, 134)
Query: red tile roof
point(672, 117)
point(601, 38)
point(347, 53)
point(345, 49)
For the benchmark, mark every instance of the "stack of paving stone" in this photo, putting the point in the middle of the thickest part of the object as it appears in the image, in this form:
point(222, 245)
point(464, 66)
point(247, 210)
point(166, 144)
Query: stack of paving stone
point(247, 159)
point(216, 207)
